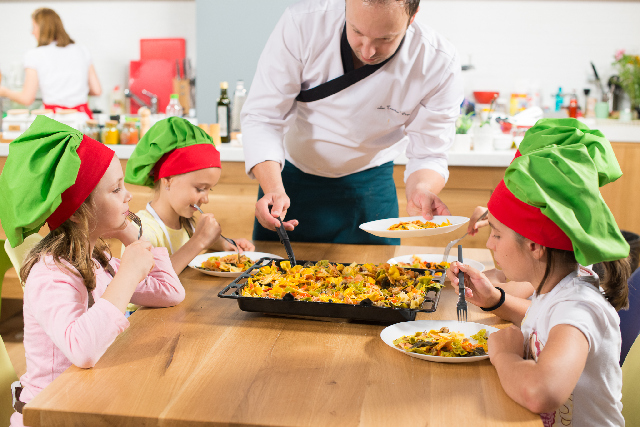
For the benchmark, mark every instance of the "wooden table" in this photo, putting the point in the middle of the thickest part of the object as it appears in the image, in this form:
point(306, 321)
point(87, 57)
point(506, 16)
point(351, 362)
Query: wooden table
point(205, 362)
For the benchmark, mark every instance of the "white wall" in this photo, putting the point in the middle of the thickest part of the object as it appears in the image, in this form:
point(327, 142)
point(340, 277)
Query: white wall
point(110, 29)
point(511, 43)
point(535, 43)
point(230, 47)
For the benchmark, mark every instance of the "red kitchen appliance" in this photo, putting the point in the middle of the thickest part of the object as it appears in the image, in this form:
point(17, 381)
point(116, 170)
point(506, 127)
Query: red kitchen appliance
point(159, 64)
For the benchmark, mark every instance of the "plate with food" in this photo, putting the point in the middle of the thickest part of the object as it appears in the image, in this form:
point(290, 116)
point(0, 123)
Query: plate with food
point(445, 341)
point(432, 261)
point(225, 264)
point(413, 226)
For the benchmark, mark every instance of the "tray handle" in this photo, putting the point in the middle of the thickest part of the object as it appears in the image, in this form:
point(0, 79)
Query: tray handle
point(245, 275)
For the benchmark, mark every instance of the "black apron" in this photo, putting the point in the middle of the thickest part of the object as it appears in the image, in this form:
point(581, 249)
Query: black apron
point(330, 210)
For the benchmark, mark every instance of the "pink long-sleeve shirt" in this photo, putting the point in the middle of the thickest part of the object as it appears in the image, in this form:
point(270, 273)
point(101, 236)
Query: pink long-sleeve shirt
point(59, 330)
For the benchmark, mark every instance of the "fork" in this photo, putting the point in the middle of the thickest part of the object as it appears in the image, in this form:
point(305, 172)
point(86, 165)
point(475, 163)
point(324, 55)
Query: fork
point(445, 257)
point(462, 302)
point(136, 220)
point(225, 238)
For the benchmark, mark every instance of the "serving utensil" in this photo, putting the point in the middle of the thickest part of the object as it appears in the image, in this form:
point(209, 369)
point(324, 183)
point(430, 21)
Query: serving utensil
point(284, 239)
point(462, 302)
point(137, 221)
point(225, 238)
point(453, 242)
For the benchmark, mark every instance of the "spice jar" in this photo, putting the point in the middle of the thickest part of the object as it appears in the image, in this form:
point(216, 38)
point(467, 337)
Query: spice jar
point(110, 134)
point(92, 130)
point(129, 134)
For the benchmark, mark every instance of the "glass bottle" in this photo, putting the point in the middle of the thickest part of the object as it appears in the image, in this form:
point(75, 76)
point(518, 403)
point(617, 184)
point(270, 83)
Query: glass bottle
point(92, 130)
point(224, 114)
point(239, 96)
point(110, 134)
point(174, 108)
point(129, 134)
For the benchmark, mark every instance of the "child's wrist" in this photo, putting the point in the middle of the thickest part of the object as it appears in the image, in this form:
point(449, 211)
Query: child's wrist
point(198, 243)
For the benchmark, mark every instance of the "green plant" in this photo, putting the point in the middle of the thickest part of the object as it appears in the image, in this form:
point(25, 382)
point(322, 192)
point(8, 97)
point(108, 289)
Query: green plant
point(464, 122)
point(628, 67)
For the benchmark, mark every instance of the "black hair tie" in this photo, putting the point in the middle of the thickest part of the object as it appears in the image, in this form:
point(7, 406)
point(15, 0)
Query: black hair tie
point(499, 304)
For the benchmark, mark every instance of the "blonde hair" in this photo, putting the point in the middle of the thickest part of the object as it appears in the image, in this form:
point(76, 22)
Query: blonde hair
point(70, 242)
point(51, 28)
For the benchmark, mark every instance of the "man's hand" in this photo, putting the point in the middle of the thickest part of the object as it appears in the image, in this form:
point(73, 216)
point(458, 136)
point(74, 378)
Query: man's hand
point(272, 206)
point(426, 204)
point(422, 187)
point(275, 202)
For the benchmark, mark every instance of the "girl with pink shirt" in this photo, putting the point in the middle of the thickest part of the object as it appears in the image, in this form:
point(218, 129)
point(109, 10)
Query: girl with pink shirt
point(75, 294)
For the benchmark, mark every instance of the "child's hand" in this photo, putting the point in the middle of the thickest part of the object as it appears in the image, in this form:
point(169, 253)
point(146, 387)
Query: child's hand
point(508, 340)
point(495, 276)
point(207, 231)
point(137, 260)
point(244, 245)
point(478, 288)
point(474, 224)
point(127, 234)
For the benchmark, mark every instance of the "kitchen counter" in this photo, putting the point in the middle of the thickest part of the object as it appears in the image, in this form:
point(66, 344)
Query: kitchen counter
point(231, 153)
point(614, 130)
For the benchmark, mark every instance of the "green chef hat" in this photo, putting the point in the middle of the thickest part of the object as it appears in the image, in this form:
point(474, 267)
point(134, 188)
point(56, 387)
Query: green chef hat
point(551, 191)
point(171, 147)
point(50, 171)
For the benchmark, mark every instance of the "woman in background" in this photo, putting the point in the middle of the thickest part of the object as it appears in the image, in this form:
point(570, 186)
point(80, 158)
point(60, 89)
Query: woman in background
point(61, 68)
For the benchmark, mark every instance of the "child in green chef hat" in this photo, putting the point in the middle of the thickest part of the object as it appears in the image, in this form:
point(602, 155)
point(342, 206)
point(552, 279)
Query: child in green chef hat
point(180, 162)
point(75, 294)
point(548, 218)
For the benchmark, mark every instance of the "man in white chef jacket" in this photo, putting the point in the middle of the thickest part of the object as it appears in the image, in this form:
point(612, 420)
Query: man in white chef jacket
point(340, 91)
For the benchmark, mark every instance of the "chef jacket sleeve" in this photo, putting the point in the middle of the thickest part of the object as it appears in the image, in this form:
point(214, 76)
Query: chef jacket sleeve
point(432, 125)
point(270, 105)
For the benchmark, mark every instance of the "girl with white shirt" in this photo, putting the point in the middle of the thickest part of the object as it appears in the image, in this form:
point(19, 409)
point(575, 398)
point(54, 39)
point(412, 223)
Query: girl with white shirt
point(61, 68)
point(547, 218)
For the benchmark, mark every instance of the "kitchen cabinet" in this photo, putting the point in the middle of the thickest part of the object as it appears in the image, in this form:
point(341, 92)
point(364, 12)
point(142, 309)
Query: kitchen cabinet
point(232, 201)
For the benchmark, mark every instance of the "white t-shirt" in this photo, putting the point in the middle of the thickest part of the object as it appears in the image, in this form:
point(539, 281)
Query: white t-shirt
point(595, 401)
point(411, 102)
point(63, 73)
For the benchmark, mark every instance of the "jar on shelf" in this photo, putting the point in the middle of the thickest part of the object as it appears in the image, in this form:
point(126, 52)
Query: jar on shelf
point(111, 134)
point(129, 134)
point(92, 130)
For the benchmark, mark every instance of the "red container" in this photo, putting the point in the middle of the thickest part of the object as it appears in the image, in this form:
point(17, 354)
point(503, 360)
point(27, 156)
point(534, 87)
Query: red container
point(485, 97)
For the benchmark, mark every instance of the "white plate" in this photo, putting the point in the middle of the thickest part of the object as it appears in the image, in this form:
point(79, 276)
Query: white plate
point(253, 256)
point(398, 330)
point(437, 258)
point(380, 227)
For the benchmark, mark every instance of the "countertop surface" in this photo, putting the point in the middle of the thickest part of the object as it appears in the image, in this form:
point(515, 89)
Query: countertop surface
point(231, 153)
point(614, 130)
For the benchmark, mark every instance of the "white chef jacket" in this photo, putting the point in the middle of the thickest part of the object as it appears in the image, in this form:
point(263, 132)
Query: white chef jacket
point(63, 73)
point(411, 102)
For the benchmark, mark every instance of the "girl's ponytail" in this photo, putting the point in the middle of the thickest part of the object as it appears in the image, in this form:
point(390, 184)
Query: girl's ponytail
point(615, 282)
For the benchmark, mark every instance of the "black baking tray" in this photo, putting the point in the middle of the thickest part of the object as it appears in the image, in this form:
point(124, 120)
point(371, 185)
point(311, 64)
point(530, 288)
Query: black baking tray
point(362, 311)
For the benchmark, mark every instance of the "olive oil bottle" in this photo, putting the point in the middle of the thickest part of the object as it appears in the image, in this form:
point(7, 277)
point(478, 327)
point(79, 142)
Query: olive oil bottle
point(224, 113)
